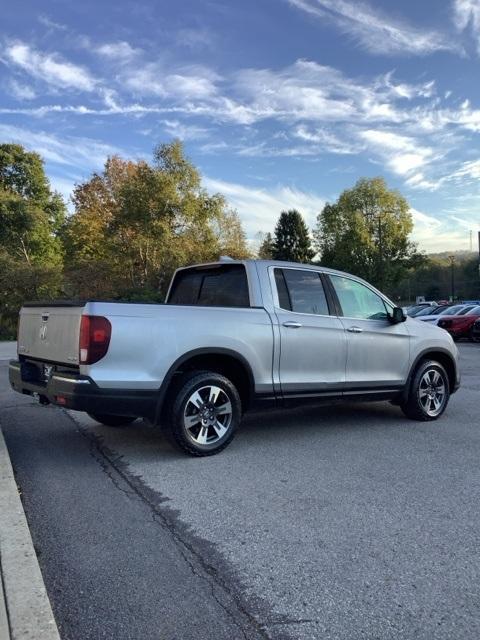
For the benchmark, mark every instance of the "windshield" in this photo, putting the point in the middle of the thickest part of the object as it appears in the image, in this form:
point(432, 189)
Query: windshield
point(474, 312)
point(430, 311)
point(465, 310)
point(452, 311)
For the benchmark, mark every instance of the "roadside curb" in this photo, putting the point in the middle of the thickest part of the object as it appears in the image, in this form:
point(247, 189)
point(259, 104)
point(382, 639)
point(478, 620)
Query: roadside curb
point(25, 610)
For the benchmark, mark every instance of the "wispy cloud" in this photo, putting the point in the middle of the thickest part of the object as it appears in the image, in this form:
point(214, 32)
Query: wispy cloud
point(375, 31)
point(470, 169)
point(118, 51)
point(51, 24)
point(21, 91)
point(260, 208)
point(178, 129)
point(467, 17)
point(433, 234)
point(51, 68)
point(72, 151)
point(402, 153)
point(153, 79)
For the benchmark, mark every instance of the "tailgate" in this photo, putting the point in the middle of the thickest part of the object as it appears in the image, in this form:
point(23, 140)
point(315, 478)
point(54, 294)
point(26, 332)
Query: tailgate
point(51, 332)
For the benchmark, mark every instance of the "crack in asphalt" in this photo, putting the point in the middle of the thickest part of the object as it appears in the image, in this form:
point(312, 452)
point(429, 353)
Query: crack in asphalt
point(101, 455)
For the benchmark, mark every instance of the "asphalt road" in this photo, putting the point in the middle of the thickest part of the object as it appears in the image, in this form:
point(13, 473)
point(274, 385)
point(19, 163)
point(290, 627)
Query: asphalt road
point(337, 523)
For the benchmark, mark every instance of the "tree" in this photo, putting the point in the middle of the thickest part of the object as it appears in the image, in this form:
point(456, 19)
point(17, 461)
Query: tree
point(138, 222)
point(31, 215)
point(366, 232)
point(292, 241)
point(265, 251)
point(230, 236)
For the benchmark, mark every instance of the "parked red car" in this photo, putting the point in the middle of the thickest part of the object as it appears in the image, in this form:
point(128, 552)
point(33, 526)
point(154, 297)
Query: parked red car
point(462, 326)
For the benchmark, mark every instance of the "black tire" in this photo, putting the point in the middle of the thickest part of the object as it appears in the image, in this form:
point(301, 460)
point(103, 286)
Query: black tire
point(429, 387)
point(473, 337)
point(112, 421)
point(220, 417)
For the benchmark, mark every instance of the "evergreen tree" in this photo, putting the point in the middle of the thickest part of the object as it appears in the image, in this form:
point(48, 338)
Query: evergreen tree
point(265, 251)
point(292, 241)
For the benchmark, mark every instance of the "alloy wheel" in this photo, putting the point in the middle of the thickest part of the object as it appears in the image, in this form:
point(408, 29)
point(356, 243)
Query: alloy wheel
point(432, 392)
point(207, 415)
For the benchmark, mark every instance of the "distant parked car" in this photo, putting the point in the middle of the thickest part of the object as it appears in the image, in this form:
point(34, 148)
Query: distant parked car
point(416, 308)
point(461, 325)
point(428, 311)
point(451, 310)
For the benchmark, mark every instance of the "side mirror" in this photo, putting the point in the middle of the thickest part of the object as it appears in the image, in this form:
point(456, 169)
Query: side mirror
point(397, 315)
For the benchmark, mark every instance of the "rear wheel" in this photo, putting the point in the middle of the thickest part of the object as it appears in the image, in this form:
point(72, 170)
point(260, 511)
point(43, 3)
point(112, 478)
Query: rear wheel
point(112, 421)
point(204, 412)
point(429, 392)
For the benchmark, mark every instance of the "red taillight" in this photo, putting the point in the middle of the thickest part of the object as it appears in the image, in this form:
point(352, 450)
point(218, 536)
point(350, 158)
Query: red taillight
point(95, 333)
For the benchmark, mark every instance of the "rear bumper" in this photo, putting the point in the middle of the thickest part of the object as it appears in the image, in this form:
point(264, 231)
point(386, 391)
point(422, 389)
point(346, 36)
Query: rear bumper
point(74, 391)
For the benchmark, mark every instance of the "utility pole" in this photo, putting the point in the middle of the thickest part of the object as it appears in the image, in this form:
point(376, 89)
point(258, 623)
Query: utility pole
point(452, 274)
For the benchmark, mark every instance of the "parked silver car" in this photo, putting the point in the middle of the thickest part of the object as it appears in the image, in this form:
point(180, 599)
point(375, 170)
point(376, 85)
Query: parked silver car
point(230, 335)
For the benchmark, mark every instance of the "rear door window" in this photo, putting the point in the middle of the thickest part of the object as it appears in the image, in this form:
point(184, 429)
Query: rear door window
point(224, 286)
point(301, 291)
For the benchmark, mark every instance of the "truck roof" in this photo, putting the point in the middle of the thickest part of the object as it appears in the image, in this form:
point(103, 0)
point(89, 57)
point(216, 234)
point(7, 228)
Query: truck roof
point(225, 260)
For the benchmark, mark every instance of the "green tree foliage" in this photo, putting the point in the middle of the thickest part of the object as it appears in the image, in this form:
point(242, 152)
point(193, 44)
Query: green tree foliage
point(291, 241)
point(31, 215)
point(136, 222)
point(265, 251)
point(366, 232)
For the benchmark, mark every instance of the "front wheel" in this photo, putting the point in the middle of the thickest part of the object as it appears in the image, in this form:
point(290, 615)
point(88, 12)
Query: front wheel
point(111, 421)
point(205, 410)
point(429, 392)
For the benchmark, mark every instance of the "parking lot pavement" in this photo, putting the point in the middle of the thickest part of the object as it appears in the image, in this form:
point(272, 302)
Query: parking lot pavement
point(8, 350)
point(333, 523)
point(349, 521)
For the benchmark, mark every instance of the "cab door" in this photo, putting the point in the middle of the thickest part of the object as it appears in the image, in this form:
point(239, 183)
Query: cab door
point(312, 338)
point(378, 352)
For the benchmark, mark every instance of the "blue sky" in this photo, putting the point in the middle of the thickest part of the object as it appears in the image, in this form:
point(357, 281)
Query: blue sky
point(280, 103)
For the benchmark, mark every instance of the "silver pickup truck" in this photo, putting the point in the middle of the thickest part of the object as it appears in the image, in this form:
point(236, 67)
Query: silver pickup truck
point(231, 335)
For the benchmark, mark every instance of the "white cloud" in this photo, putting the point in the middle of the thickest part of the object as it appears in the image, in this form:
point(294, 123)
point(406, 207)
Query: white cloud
point(259, 208)
point(119, 51)
point(402, 154)
point(447, 234)
point(177, 129)
point(374, 31)
point(21, 91)
point(73, 151)
point(326, 141)
point(469, 169)
point(50, 68)
point(51, 24)
point(467, 16)
point(192, 83)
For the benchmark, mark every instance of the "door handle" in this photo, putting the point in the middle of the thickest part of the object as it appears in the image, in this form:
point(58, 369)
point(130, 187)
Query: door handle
point(354, 329)
point(292, 325)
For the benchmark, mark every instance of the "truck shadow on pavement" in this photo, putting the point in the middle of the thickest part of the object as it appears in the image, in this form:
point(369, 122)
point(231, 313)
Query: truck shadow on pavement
point(280, 428)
